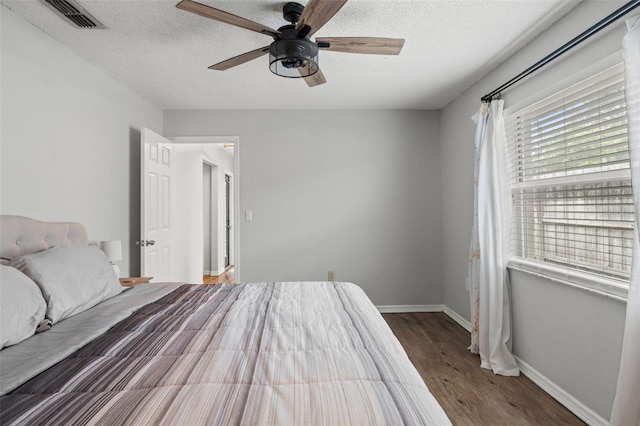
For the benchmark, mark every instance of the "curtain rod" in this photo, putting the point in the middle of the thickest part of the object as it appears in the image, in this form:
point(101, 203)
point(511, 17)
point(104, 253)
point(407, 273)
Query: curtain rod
point(564, 48)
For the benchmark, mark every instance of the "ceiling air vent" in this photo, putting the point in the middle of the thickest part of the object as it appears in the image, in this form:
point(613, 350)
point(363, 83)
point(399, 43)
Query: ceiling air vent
point(73, 12)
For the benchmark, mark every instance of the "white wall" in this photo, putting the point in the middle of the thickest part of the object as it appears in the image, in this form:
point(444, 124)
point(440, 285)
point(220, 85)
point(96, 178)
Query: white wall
point(570, 336)
point(70, 138)
point(187, 207)
point(356, 192)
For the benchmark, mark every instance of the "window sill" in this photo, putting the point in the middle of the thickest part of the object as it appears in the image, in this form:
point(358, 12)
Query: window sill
point(603, 286)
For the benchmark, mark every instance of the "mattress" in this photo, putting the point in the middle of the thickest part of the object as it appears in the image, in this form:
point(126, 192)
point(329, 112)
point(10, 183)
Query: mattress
point(250, 354)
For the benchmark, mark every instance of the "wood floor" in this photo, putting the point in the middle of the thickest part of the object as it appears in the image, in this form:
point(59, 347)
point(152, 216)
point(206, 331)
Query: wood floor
point(471, 395)
point(227, 277)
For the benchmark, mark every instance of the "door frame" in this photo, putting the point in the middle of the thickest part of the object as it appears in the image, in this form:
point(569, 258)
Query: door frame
point(236, 186)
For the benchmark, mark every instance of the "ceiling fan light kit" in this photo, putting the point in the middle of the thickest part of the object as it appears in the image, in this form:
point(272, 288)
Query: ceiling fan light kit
point(292, 54)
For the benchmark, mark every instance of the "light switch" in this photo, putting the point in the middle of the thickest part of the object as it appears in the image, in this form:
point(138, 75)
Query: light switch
point(248, 215)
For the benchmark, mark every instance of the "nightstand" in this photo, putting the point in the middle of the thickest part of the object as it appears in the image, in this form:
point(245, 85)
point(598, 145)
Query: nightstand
point(132, 281)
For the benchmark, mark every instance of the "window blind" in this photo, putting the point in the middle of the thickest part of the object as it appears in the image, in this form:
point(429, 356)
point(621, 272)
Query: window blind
point(571, 186)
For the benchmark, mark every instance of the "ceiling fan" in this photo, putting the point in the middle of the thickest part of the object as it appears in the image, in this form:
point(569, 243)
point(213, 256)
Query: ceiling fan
point(292, 53)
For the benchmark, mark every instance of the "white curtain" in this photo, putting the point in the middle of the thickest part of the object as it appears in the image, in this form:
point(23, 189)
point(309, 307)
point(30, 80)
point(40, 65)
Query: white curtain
point(488, 277)
point(626, 406)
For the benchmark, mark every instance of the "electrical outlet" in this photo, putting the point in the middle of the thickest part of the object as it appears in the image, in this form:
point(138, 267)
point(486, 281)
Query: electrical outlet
point(331, 275)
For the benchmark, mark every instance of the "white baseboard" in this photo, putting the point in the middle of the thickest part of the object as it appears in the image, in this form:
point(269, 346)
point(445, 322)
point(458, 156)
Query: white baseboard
point(458, 318)
point(398, 309)
point(586, 414)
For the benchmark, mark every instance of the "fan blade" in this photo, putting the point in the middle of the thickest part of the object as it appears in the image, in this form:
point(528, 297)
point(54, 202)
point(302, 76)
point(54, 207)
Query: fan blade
point(240, 59)
point(369, 45)
point(226, 17)
point(318, 12)
point(315, 79)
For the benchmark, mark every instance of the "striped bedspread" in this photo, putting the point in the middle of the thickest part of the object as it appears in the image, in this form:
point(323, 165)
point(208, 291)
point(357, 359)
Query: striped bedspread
point(249, 354)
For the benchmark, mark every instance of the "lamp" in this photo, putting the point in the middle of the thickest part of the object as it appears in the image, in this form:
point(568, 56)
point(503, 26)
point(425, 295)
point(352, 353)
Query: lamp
point(113, 251)
point(292, 56)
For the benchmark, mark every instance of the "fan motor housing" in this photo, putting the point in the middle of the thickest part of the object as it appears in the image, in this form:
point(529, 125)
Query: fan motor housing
point(291, 11)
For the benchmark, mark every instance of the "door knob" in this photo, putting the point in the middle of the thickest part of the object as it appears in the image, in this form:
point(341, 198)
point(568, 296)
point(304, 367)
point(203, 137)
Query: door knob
point(143, 243)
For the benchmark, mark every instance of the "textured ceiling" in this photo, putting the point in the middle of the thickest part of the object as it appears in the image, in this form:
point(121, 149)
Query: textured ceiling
point(162, 53)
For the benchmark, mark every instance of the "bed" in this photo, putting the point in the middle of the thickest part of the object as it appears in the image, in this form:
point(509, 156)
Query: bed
point(283, 353)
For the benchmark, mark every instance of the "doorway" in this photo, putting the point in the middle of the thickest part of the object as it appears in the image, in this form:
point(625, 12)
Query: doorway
point(209, 237)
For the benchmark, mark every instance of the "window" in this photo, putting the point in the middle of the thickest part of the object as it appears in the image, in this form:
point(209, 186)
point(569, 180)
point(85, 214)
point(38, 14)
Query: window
point(573, 215)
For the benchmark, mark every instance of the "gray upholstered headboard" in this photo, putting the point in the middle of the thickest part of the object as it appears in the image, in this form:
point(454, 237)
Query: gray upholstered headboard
point(22, 235)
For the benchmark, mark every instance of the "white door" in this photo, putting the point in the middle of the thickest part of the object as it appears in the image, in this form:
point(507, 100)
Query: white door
point(155, 242)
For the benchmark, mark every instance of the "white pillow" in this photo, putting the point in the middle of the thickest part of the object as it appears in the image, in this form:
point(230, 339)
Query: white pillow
point(22, 306)
point(72, 279)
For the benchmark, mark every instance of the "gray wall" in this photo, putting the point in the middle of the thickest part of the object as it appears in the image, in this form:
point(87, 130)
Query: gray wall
point(570, 336)
point(355, 192)
point(70, 140)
